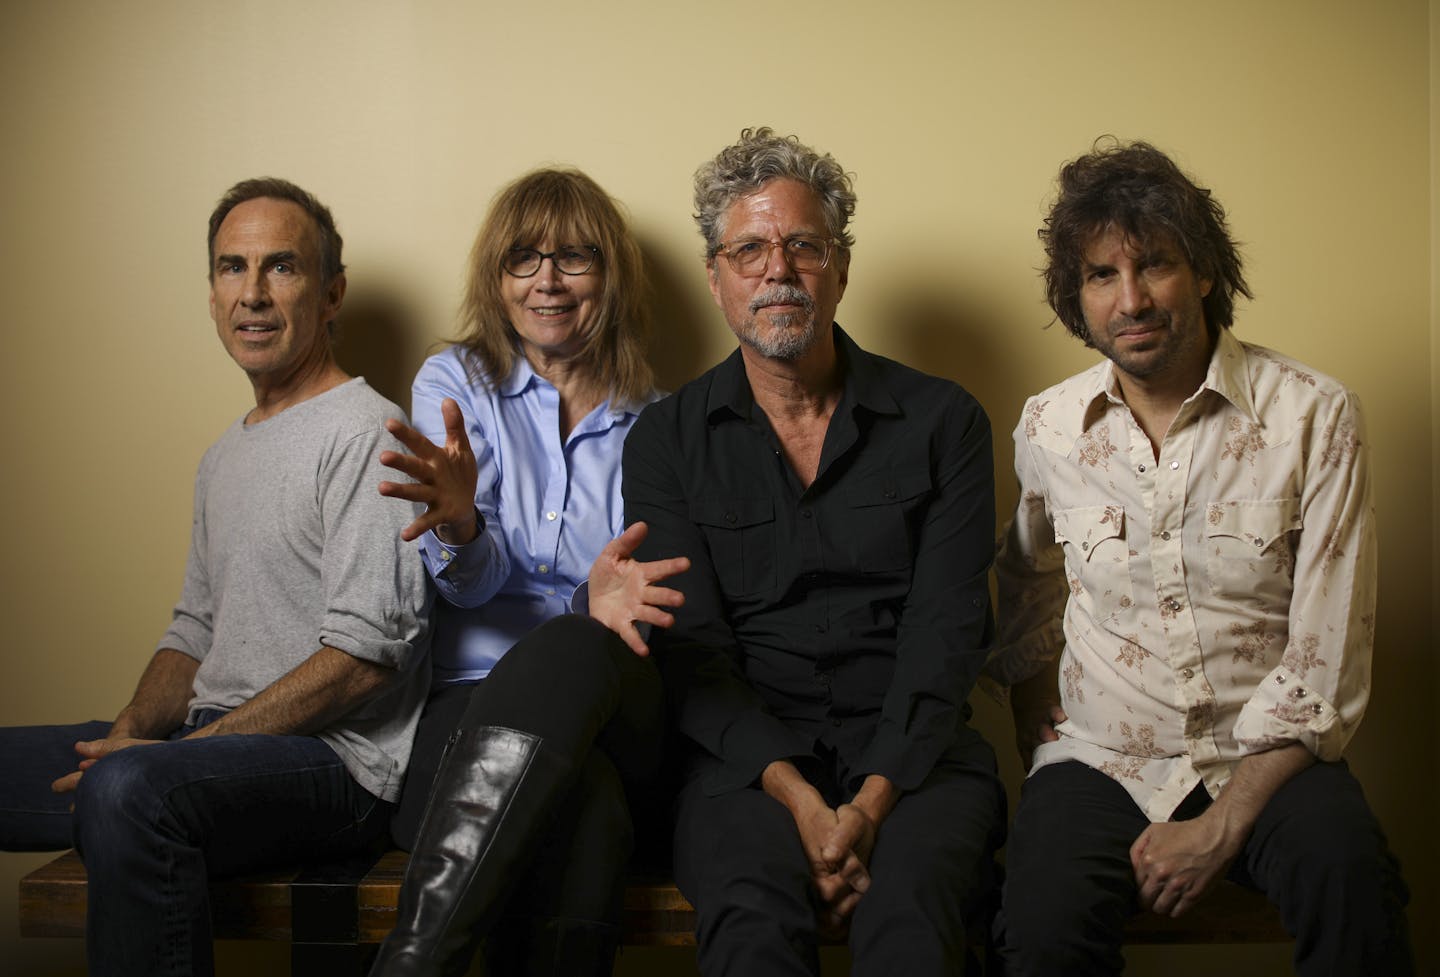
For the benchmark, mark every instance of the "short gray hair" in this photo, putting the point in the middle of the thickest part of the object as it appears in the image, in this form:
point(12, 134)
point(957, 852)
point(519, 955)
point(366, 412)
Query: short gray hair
point(759, 157)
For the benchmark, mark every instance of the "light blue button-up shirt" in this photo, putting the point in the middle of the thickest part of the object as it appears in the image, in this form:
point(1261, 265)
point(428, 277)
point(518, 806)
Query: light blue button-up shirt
point(549, 508)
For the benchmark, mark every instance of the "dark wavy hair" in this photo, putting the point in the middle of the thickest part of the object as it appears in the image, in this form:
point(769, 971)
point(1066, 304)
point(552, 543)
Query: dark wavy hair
point(1137, 189)
point(563, 206)
point(278, 189)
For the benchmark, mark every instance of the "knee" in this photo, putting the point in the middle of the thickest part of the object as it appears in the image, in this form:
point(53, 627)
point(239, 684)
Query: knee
point(117, 795)
point(571, 649)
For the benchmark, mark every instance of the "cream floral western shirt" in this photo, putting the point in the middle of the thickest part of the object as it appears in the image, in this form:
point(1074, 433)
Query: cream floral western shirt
point(1214, 603)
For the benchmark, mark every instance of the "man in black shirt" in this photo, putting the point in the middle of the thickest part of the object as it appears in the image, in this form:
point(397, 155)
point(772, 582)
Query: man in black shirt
point(838, 510)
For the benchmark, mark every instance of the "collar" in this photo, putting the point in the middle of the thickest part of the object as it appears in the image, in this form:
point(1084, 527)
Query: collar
point(523, 378)
point(1228, 375)
point(863, 387)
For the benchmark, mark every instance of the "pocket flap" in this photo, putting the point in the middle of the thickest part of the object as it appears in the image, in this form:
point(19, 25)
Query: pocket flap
point(1258, 522)
point(887, 488)
point(1089, 526)
point(732, 513)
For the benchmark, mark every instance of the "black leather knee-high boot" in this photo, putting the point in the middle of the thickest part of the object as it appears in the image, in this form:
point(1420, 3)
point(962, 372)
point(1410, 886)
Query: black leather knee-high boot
point(491, 796)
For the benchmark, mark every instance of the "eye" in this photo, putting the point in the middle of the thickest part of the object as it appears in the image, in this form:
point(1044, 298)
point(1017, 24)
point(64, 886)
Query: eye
point(282, 268)
point(803, 245)
point(746, 249)
point(576, 254)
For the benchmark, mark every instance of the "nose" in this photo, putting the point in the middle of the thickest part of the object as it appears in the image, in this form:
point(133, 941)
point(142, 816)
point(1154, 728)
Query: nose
point(777, 264)
point(548, 276)
point(256, 293)
point(1134, 297)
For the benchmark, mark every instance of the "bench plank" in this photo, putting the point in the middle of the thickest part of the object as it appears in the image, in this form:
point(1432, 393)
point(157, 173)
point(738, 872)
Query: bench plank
point(654, 913)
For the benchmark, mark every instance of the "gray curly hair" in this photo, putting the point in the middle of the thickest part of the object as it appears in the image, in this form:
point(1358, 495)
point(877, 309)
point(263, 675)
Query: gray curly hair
point(757, 158)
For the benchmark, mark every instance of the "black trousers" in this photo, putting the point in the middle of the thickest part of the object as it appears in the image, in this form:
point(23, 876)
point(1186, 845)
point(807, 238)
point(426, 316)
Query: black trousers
point(1316, 851)
point(576, 685)
point(738, 859)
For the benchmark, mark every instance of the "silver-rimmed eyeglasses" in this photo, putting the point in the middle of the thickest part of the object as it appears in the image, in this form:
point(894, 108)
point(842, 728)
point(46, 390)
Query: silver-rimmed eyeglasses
point(572, 259)
point(750, 256)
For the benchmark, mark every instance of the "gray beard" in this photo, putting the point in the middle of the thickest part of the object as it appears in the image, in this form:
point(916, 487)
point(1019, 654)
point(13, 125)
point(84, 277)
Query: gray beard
point(793, 334)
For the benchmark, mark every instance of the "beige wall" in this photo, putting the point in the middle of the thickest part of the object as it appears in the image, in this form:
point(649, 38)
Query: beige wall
point(123, 122)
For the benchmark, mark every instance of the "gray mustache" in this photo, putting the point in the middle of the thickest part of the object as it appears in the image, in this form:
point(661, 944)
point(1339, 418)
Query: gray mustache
point(789, 294)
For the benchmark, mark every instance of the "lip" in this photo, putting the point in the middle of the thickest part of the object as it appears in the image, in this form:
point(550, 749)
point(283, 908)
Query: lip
point(550, 311)
point(256, 327)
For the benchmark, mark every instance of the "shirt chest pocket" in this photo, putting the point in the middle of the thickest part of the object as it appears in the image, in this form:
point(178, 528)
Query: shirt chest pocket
point(1249, 549)
point(1097, 555)
point(877, 535)
point(741, 535)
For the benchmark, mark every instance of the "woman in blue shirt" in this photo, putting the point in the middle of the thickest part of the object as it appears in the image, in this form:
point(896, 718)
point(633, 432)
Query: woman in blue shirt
point(515, 454)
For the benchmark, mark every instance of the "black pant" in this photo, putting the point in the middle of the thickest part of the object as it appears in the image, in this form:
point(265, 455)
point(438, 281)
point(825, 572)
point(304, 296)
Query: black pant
point(738, 859)
point(1316, 852)
point(575, 685)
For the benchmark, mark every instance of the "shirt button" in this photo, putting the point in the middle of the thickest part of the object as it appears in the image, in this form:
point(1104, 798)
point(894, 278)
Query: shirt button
point(1188, 673)
point(550, 516)
point(1260, 543)
point(544, 568)
point(1142, 468)
point(1174, 465)
point(834, 722)
point(1085, 545)
point(806, 513)
point(446, 556)
point(1165, 535)
point(729, 517)
point(550, 591)
point(1173, 604)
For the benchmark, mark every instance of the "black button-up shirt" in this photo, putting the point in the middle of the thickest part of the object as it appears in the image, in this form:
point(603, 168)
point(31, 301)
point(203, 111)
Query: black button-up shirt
point(852, 615)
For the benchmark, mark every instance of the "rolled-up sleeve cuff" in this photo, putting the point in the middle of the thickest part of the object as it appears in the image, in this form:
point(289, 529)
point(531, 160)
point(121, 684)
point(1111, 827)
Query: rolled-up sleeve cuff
point(749, 747)
point(1284, 710)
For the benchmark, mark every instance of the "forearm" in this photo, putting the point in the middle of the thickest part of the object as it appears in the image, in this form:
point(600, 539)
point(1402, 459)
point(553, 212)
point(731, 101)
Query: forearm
point(876, 798)
point(161, 698)
point(1254, 781)
point(323, 688)
point(782, 781)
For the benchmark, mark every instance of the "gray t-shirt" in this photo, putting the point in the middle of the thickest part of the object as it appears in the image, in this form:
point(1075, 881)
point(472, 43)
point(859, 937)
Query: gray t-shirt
point(293, 547)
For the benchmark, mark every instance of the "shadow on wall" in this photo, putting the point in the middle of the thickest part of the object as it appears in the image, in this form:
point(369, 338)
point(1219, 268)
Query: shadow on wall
point(933, 332)
point(678, 348)
point(375, 342)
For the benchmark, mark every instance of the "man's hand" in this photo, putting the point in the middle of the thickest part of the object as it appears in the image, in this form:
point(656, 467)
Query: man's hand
point(1035, 704)
point(623, 591)
point(1176, 862)
point(91, 751)
point(445, 478)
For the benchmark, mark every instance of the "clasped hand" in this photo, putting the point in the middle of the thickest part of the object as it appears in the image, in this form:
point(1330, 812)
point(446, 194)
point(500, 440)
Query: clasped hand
point(838, 844)
point(91, 751)
point(444, 478)
point(1176, 862)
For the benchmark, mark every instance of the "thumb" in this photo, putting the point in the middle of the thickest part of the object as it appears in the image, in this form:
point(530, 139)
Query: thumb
point(629, 541)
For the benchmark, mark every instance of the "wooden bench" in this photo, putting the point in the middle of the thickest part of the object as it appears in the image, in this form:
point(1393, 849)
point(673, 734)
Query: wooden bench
point(335, 915)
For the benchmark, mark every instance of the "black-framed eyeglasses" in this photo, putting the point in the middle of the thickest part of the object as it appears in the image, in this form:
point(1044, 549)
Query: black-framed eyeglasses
point(750, 256)
point(570, 259)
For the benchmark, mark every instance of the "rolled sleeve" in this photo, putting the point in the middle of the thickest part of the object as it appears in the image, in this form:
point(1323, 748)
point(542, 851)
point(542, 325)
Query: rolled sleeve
point(1318, 693)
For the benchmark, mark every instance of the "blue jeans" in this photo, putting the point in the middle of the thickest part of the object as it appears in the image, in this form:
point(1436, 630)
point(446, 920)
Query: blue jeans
point(153, 823)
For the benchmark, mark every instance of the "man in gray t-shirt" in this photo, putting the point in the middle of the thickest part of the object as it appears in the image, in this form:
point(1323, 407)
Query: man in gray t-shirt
point(274, 720)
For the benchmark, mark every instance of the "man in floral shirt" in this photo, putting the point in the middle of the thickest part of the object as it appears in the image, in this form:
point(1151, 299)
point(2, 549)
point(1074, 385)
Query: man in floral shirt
point(1187, 599)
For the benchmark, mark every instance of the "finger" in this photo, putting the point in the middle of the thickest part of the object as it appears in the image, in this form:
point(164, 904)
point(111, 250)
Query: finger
point(663, 597)
point(1137, 856)
point(455, 435)
point(657, 570)
point(1048, 734)
point(623, 545)
point(410, 491)
point(420, 469)
point(1057, 715)
point(654, 616)
point(856, 874)
point(631, 637)
point(418, 443)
